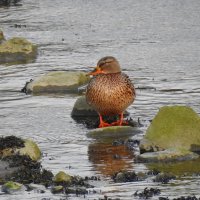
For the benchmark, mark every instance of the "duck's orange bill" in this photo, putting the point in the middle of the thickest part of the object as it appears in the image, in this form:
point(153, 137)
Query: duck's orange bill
point(96, 71)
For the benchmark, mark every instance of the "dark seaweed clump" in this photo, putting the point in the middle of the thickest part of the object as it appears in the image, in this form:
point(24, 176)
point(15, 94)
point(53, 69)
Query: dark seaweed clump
point(164, 177)
point(108, 198)
point(11, 142)
point(147, 193)
point(125, 176)
point(29, 171)
point(93, 121)
point(9, 2)
point(187, 198)
point(181, 198)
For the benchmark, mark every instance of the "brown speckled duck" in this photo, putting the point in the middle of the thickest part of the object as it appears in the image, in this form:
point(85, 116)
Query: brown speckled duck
point(110, 91)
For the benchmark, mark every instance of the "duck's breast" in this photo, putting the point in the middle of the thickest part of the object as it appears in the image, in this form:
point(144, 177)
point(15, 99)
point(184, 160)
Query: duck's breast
point(110, 94)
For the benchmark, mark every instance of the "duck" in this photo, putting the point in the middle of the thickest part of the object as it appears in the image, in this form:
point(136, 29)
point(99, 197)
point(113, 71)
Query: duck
point(110, 91)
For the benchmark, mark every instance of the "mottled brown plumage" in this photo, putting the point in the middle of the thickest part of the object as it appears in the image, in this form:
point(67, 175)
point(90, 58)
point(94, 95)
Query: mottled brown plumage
point(110, 91)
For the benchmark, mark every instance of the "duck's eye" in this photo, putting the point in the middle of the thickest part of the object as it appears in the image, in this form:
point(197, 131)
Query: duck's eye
point(101, 64)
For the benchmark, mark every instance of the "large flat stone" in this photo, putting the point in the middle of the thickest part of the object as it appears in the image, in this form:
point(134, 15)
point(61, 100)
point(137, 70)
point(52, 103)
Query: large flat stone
point(57, 82)
point(113, 132)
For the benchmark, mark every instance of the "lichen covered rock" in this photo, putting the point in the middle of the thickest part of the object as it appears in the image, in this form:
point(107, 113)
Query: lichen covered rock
point(17, 50)
point(174, 127)
point(57, 82)
point(18, 146)
point(11, 187)
point(62, 177)
point(30, 149)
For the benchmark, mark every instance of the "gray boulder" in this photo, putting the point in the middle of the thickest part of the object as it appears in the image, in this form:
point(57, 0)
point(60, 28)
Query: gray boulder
point(16, 50)
point(57, 82)
point(173, 133)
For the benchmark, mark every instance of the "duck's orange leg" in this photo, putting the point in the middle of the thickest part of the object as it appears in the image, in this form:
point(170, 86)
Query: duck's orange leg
point(119, 122)
point(102, 123)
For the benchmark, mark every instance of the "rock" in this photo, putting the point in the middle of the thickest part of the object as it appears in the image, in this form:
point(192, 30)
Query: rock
point(184, 168)
point(57, 189)
point(147, 193)
point(82, 109)
point(62, 177)
point(173, 127)
point(11, 187)
point(113, 132)
point(17, 50)
point(164, 177)
point(6, 170)
point(77, 190)
point(57, 82)
point(128, 176)
point(167, 155)
point(36, 187)
point(29, 148)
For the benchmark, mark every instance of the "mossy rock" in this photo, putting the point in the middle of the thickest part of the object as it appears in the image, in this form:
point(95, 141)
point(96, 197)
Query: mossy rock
point(62, 177)
point(17, 50)
point(57, 82)
point(175, 127)
point(30, 149)
point(113, 132)
point(11, 187)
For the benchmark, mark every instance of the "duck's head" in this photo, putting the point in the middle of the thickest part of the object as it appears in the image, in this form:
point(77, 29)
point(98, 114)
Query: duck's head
point(106, 65)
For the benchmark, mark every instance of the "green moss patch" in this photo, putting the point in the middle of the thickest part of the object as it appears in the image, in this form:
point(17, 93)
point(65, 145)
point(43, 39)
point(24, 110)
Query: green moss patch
point(175, 127)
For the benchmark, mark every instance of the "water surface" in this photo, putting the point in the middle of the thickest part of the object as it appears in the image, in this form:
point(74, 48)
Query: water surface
point(158, 46)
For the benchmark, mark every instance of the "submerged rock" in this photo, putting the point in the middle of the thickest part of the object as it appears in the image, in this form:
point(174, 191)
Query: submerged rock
point(176, 128)
point(11, 187)
point(57, 189)
point(168, 155)
point(57, 82)
point(17, 50)
point(113, 132)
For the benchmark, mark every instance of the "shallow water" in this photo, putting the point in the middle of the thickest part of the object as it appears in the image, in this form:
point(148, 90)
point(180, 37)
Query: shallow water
point(158, 46)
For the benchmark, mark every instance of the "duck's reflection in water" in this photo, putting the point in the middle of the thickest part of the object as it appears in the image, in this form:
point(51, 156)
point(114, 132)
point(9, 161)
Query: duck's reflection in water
point(108, 159)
